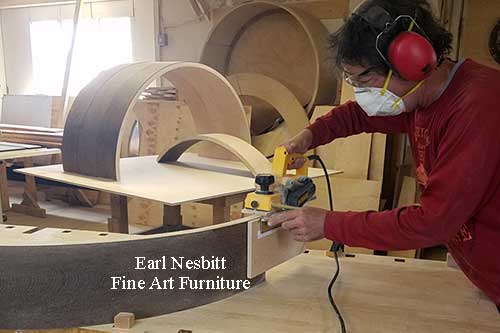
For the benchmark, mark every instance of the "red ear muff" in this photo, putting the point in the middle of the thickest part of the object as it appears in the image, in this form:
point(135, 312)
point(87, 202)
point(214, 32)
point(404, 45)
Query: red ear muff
point(412, 56)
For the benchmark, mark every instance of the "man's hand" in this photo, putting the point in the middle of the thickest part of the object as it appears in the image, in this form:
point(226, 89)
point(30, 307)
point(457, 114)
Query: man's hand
point(299, 144)
point(306, 224)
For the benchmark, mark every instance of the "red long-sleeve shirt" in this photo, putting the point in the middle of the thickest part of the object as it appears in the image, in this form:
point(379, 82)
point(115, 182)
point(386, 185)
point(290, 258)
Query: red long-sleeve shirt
point(456, 146)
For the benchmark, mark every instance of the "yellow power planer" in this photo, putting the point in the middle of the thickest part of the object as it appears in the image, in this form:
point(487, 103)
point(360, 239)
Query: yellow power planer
point(281, 190)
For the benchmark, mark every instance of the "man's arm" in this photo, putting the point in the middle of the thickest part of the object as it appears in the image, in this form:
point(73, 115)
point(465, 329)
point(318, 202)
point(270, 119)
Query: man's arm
point(462, 178)
point(350, 119)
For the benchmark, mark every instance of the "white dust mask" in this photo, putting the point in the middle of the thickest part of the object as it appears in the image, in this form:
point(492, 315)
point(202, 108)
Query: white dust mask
point(377, 102)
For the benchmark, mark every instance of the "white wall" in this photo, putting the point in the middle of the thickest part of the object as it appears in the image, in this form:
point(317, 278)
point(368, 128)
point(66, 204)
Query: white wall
point(16, 34)
point(186, 33)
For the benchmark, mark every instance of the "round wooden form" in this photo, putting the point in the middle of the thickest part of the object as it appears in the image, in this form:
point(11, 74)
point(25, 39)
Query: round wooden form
point(278, 96)
point(280, 42)
point(246, 153)
point(93, 132)
point(53, 278)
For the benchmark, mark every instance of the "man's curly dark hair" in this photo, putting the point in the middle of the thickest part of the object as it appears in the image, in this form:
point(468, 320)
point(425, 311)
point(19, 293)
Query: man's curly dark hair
point(354, 42)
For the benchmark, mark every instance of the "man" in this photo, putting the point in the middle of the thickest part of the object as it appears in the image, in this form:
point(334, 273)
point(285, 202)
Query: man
point(451, 112)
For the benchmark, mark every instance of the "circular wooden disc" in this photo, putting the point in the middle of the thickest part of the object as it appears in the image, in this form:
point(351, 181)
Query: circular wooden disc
point(277, 46)
point(279, 42)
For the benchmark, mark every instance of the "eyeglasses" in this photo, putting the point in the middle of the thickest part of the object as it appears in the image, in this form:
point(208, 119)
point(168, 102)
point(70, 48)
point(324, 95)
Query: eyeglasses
point(354, 79)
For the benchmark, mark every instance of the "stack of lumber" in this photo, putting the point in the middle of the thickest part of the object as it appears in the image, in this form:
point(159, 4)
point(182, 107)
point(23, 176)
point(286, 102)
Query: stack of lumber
point(43, 136)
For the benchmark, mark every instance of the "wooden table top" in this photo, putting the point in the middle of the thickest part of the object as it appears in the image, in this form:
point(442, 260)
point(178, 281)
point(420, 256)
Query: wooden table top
point(374, 294)
point(191, 179)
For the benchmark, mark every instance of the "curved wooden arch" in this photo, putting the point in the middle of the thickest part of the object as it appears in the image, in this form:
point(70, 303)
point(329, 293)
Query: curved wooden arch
point(218, 49)
point(251, 157)
point(278, 96)
point(56, 278)
point(93, 131)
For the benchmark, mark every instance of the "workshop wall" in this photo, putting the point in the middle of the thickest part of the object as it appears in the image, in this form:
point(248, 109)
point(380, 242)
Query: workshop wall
point(187, 31)
point(480, 17)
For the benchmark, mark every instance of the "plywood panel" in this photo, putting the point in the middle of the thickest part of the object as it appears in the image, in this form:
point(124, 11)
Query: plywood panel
point(278, 41)
point(348, 195)
point(279, 242)
point(351, 155)
point(375, 294)
point(407, 197)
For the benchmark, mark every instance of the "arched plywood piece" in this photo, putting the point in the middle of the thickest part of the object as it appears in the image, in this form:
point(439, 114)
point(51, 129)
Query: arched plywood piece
point(93, 133)
point(251, 157)
point(278, 96)
point(249, 39)
point(53, 278)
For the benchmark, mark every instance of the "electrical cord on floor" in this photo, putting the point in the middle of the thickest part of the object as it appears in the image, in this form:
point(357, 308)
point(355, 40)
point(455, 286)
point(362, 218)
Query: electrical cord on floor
point(334, 248)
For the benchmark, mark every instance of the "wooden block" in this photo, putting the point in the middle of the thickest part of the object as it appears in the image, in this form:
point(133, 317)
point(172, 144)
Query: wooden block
point(270, 249)
point(172, 215)
point(145, 212)
point(351, 155)
point(124, 320)
point(450, 261)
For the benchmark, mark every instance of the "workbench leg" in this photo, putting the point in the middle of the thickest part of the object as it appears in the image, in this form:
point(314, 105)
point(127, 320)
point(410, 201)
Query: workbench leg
point(221, 211)
point(4, 186)
point(119, 215)
point(171, 216)
point(29, 205)
point(222, 207)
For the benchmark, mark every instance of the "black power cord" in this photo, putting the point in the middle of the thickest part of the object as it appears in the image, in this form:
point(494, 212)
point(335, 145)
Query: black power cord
point(334, 248)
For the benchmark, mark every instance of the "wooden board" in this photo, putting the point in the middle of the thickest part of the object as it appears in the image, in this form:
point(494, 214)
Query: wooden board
point(93, 135)
point(352, 154)
point(88, 268)
point(279, 242)
point(28, 153)
point(375, 294)
point(191, 179)
point(278, 41)
point(281, 99)
point(10, 146)
point(143, 177)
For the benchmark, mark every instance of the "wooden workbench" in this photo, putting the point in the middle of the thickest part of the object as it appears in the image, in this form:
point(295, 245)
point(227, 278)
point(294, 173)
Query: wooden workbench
point(191, 179)
point(375, 294)
point(29, 204)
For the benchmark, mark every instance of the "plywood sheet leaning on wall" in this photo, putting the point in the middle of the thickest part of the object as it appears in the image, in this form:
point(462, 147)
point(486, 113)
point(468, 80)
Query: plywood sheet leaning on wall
point(278, 41)
point(407, 197)
point(377, 153)
point(351, 155)
point(93, 135)
point(281, 99)
point(348, 195)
